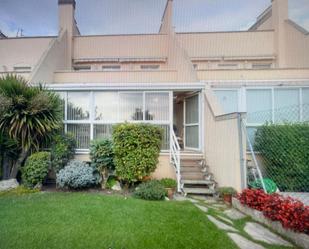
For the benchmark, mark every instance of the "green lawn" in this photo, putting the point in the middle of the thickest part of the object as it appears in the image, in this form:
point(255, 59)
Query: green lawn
point(90, 220)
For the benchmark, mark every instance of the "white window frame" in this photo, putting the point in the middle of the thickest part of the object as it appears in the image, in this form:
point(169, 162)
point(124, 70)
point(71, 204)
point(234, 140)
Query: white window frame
point(91, 121)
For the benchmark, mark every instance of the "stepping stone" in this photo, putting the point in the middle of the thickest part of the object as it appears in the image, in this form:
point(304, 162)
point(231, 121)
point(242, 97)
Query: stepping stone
point(244, 243)
point(204, 209)
point(180, 198)
point(234, 214)
point(210, 201)
point(192, 200)
point(220, 224)
point(197, 197)
point(219, 205)
point(258, 232)
point(225, 219)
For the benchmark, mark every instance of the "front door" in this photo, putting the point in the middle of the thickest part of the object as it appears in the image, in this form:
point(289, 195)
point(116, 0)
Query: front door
point(191, 122)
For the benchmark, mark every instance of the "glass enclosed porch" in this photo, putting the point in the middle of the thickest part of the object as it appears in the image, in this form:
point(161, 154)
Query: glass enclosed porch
point(91, 115)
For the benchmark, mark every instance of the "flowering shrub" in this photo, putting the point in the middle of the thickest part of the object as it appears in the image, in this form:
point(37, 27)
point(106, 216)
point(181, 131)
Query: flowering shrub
point(292, 213)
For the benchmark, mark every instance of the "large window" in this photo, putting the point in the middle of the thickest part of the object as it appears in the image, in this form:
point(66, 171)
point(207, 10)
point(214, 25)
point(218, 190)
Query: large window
point(266, 105)
point(91, 114)
point(78, 107)
point(228, 100)
point(259, 106)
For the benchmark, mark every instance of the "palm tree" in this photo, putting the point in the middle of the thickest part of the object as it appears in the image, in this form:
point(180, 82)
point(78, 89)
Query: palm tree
point(9, 151)
point(28, 114)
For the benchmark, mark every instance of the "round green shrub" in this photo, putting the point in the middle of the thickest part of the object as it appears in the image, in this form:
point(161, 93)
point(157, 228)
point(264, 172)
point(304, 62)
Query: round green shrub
point(136, 149)
point(151, 190)
point(36, 168)
point(102, 155)
point(62, 150)
point(168, 183)
point(77, 175)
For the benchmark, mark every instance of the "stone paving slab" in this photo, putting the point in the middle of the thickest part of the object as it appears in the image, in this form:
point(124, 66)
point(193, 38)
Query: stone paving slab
point(258, 232)
point(225, 219)
point(204, 209)
point(182, 198)
point(192, 200)
point(234, 214)
point(220, 224)
point(198, 197)
point(210, 201)
point(219, 205)
point(244, 243)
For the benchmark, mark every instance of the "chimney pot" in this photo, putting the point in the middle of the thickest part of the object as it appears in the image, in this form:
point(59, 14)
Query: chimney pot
point(67, 2)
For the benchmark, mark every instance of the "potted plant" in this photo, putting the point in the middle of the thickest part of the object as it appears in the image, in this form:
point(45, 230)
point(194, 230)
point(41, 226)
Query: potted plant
point(226, 193)
point(170, 186)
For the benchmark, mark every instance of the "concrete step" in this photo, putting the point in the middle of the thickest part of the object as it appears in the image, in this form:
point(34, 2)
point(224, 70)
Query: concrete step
point(192, 176)
point(191, 156)
point(191, 169)
point(190, 162)
point(204, 191)
point(198, 182)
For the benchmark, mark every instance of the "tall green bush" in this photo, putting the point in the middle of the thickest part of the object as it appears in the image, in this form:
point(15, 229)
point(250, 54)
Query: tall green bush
point(136, 148)
point(36, 168)
point(102, 157)
point(285, 152)
point(62, 150)
point(102, 154)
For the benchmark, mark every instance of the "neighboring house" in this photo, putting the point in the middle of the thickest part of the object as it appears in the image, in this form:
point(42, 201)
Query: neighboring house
point(2, 36)
point(183, 82)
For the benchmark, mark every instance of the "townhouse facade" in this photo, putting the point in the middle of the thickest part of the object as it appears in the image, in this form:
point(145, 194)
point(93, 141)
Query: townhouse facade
point(196, 86)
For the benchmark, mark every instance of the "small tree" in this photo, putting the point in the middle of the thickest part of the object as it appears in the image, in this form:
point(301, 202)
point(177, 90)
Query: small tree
point(136, 148)
point(102, 157)
point(28, 114)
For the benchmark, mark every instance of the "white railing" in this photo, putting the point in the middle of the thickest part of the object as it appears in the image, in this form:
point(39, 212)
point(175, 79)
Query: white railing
point(175, 158)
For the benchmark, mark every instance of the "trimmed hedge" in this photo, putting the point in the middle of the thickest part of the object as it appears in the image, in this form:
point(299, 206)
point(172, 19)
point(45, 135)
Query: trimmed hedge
point(36, 168)
point(285, 151)
point(136, 149)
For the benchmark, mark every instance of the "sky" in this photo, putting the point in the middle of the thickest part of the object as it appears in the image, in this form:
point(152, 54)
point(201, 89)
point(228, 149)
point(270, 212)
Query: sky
point(40, 17)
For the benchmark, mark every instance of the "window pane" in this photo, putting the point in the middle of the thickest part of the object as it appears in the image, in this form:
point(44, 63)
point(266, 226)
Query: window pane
point(259, 106)
point(131, 106)
point(286, 105)
point(81, 133)
point(78, 105)
point(192, 110)
point(157, 106)
point(192, 136)
point(102, 131)
point(228, 99)
point(305, 104)
point(106, 106)
point(166, 137)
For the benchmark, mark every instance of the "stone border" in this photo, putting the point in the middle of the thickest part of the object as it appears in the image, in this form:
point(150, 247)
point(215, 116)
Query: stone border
point(299, 239)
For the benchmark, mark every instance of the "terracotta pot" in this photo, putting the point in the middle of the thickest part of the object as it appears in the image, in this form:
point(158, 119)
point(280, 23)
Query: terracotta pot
point(227, 198)
point(146, 178)
point(170, 192)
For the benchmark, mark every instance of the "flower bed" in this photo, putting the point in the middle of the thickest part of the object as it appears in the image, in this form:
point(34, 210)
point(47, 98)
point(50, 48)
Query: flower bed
point(291, 213)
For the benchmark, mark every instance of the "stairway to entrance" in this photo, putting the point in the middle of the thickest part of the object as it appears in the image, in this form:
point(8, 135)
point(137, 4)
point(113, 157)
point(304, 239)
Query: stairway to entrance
point(195, 175)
